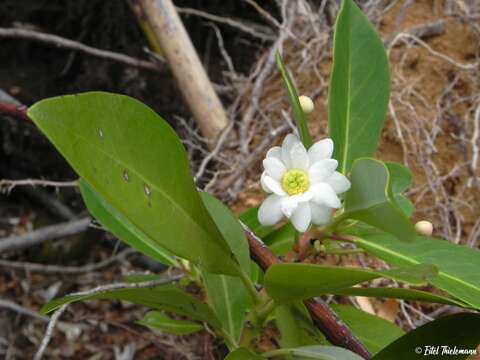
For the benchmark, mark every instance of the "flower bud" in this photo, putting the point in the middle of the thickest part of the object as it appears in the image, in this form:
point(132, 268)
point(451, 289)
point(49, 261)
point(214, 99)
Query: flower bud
point(424, 227)
point(306, 103)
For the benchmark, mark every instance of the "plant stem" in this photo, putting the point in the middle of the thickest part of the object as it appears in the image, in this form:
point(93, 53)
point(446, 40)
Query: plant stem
point(250, 287)
point(265, 309)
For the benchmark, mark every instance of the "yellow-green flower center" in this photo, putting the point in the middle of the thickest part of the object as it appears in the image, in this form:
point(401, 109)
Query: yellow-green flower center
point(295, 182)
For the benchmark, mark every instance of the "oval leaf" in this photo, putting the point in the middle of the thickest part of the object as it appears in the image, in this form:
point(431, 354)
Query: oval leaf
point(160, 321)
point(460, 331)
point(226, 294)
point(371, 200)
point(123, 229)
point(359, 87)
point(371, 330)
point(164, 297)
point(136, 162)
point(457, 265)
point(314, 280)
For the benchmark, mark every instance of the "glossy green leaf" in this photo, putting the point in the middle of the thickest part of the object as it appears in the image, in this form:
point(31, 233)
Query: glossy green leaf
point(371, 200)
point(461, 331)
point(400, 293)
point(373, 331)
point(298, 114)
point(457, 265)
point(243, 354)
point(158, 320)
point(281, 240)
point(318, 352)
point(123, 229)
point(226, 294)
point(164, 297)
point(359, 87)
point(400, 177)
point(295, 326)
point(136, 162)
point(314, 280)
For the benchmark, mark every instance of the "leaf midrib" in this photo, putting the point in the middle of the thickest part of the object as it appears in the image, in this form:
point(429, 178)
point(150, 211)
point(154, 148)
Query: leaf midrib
point(415, 262)
point(122, 164)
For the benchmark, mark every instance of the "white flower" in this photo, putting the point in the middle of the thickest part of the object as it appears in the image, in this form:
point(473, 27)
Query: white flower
point(303, 185)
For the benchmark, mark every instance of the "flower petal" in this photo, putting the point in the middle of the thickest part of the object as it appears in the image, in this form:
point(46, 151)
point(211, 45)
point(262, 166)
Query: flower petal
point(338, 182)
point(289, 205)
point(320, 214)
point(262, 183)
point(270, 212)
point(301, 217)
point(299, 157)
point(323, 194)
point(287, 144)
point(274, 167)
point(322, 170)
point(272, 186)
point(321, 150)
point(275, 152)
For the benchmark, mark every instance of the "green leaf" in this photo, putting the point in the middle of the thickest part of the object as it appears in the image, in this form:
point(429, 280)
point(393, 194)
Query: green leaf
point(371, 200)
point(135, 161)
point(373, 331)
point(359, 87)
point(164, 297)
point(457, 265)
point(160, 321)
point(459, 330)
point(123, 229)
point(243, 354)
point(250, 218)
point(281, 240)
point(314, 280)
point(295, 326)
point(298, 114)
point(226, 294)
point(316, 352)
point(400, 177)
point(400, 293)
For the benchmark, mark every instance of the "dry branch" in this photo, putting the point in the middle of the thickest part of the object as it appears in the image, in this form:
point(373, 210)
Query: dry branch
point(53, 232)
point(61, 42)
point(186, 67)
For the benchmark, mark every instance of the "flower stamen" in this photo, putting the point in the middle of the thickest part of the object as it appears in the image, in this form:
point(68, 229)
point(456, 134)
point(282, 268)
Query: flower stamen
point(295, 181)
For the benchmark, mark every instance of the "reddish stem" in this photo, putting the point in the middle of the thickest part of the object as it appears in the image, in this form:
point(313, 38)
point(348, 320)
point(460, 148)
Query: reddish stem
point(323, 317)
point(16, 111)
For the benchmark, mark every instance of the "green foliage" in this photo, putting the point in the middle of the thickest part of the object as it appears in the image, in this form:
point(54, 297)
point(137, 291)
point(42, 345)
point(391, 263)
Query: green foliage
point(314, 280)
point(400, 293)
point(371, 330)
point(359, 87)
point(226, 294)
point(243, 354)
point(371, 199)
point(164, 297)
point(295, 326)
point(316, 352)
point(135, 161)
point(459, 330)
point(298, 114)
point(457, 265)
point(122, 228)
point(160, 321)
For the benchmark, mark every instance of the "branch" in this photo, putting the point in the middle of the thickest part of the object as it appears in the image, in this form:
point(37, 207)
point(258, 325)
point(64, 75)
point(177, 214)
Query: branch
point(13, 110)
point(56, 315)
point(61, 42)
point(39, 236)
point(323, 317)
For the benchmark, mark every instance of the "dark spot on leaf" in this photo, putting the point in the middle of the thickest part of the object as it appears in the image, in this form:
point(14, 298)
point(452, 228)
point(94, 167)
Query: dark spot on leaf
point(126, 177)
